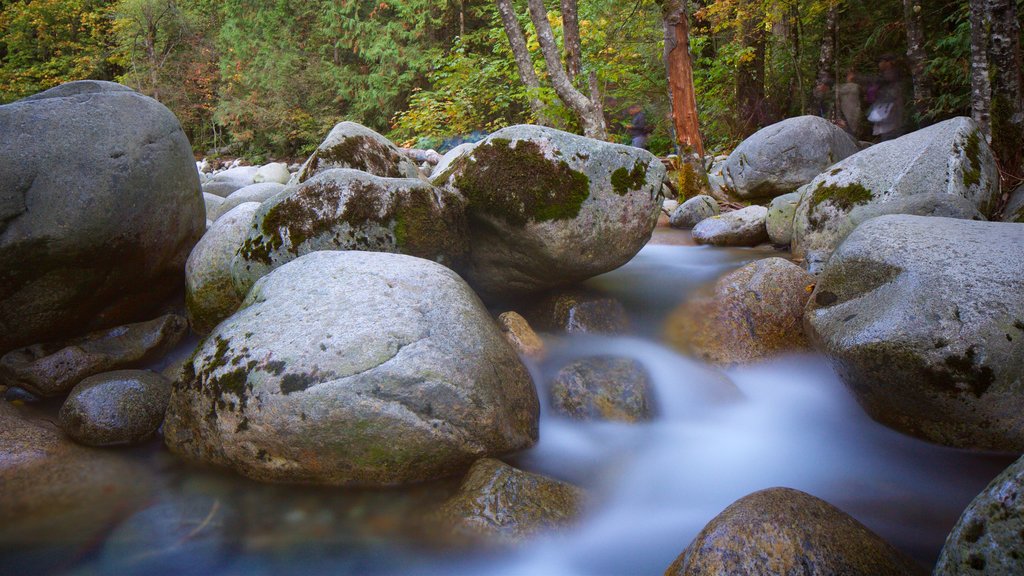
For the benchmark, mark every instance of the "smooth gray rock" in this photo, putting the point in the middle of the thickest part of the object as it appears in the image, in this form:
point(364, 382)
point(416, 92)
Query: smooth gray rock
point(689, 213)
point(923, 319)
point(251, 193)
point(115, 408)
point(602, 388)
point(342, 209)
point(351, 145)
point(99, 208)
point(450, 156)
point(944, 170)
point(276, 172)
point(210, 293)
point(53, 369)
point(779, 221)
point(745, 227)
point(780, 158)
point(1014, 210)
point(548, 208)
point(213, 204)
point(228, 181)
point(987, 537)
point(354, 368)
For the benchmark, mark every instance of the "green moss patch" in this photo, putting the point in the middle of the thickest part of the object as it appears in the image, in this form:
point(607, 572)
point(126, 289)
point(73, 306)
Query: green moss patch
point(624, 181)
point(843, 197)
point(360, 153)
point(517, 183)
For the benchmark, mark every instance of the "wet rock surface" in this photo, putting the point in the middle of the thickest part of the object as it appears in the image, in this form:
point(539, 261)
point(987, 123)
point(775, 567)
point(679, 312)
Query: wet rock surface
point(744, 227)
point(116, 408)
point(602, 388)
point(578, 311)
point(924, 321)
point(520, 335)
point(785, 531)
point(53, 369)
point(354, 368)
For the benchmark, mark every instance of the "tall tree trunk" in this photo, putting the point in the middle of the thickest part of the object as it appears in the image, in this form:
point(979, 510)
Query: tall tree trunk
point(589, 112)
point(571, 38)
point(679, 69)
point(917, 56)
point(981, 92)
point(750, 72)
point(1007, 112)
point(524, 64)
point(827, 56)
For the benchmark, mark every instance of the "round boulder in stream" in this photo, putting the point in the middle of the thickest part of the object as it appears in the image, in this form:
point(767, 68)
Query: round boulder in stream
point(602, 388)
point(744, 227)
point(115, 408)
point(354, 368)
point(548, 208)
point(923, 319)
point(785, 531)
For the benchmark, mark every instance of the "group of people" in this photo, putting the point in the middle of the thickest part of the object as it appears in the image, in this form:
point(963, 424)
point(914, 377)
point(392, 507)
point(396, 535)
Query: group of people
point(883, 95)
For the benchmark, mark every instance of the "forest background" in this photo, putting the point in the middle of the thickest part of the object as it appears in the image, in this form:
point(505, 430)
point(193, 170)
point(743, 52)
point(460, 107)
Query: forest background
point(268, 79)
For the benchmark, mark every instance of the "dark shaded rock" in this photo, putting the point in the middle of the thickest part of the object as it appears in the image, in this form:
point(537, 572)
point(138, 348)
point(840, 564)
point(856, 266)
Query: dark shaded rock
point(745, 227)
point(1014, 209)
point(579, 311)
point(353, 368)
point(499, 504)
point(924, 321)
point(750, 314)
point(116, 408)
point(785, 531)
point(988, 537)
point(53, 369)
point(99, 208)
point(602, 388)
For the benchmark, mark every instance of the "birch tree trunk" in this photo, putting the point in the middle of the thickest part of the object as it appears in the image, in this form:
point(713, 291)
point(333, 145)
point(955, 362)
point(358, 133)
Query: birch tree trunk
point(524, 64)
point(1004, 66)
point(827, 56)
point(917, 56)
point(571, 38)
point(981, 92)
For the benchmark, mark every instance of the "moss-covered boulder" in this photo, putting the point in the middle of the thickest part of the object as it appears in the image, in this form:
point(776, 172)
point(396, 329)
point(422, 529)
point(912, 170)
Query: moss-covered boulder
point(602, 388)
point(987, 539)
point(780, 158)
point(944, 170)
point(351, 145)
point(923, 319)
point(353, 368)
point(750, 314)
point(781, 213)
point(1014, 209)
point(785, 531)
point(210, 293)
point(499, 504)
point(690, 213)
point(343, 209)
point(744, 227)
point(548, 208)
point(578, 311)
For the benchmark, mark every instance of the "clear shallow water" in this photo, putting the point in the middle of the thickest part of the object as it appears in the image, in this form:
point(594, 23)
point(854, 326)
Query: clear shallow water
point(717, 436)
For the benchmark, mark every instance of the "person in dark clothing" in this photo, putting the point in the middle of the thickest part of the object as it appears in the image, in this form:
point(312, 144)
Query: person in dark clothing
point(638, 129)
point(886, 113)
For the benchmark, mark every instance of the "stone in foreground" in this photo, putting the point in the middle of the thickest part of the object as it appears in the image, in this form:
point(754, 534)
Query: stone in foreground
point(785, 531)
point(987, 538)
point(499, 504)
point(745, 227)
point(690, 213)
point(115, 408)
point(923, 319)
point(354, 368)
point(99, 208)
point(548, 208)
point(351, 145)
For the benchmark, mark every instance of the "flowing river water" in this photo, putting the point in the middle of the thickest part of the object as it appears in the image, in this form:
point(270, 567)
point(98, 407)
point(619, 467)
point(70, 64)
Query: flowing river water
point(716, 436)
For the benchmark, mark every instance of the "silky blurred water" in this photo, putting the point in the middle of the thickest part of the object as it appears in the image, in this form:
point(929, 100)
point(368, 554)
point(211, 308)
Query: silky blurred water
point(716, 436)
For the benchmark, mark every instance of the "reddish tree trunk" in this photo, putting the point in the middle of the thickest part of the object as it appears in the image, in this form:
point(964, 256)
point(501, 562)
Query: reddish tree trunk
point(680, 77)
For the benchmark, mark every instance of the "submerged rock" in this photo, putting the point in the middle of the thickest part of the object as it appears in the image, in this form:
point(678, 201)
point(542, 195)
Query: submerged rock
point(115, 408)
point(353, 368)
point(548, 208)
point(944, 170)
point(353, 210)
point(745, 227)
point(690, 213)
point(53, 369)
point(602, 388)
point(750, 314)
point(987, 537)
point(923, 319)
point(351, 145)
point(99, 208)
point(502, 505)
point(785, 531)
point(784, 156)
point(579, 311)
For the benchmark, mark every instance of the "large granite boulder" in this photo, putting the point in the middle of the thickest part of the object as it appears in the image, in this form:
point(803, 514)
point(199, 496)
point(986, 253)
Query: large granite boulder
point(784, 156)
point(351, 145)
point(99, 208)
point(548, 208)
point(353, 368)
point(744, 227)
point(785, 531)
point(944, 170)
point(987, 537)
point(343, 209)
point(923, 319)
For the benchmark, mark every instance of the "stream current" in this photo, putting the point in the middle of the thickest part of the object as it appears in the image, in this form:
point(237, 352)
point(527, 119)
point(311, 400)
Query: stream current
point(717, 435)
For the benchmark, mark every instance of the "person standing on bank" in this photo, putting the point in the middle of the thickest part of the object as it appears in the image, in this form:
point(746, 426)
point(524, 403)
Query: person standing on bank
point(849, 94)
point(886, 114)
point(638, 129)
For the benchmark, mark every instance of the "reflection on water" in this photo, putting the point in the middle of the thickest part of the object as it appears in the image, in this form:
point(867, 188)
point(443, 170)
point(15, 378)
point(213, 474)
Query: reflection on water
point(716, 437)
